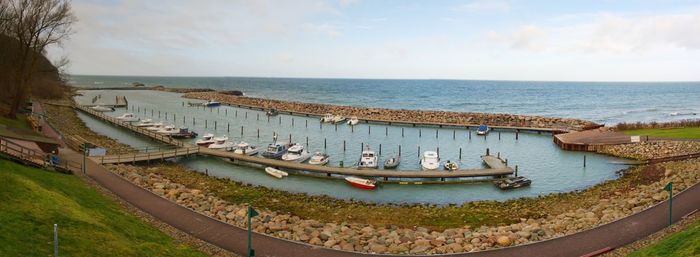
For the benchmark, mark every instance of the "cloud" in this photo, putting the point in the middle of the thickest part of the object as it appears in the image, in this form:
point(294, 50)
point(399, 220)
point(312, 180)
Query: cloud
point(528, 37)
point(483, 5)
point(324, 29)
point(347, 2)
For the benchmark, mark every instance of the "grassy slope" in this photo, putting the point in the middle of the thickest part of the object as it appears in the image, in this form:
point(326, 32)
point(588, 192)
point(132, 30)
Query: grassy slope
point(89, 223)
point(683, 243)
point(688, 133)
point(20, 122)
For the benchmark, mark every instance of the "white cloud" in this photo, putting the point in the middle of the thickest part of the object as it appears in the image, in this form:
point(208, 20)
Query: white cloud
point(324, 29)
point(483, 5)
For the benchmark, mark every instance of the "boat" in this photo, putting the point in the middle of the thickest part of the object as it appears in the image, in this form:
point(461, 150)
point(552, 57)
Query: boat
point(206, 140)
point(392, 162)
point(296, 153)
point(353, 121)
point(368, 159)
point(275, 172)
point(144, 123)
point(128, 117)
point(155, 126)
point(212, 103)
point(184, 133)
point(319, 159)
point(275, 151)
point(430, 161)
point(512, 183)
point(450, 166)
point(327, 117)
point(337, 119)
point(101, 108)
point(221, 143)
point(271, 112)
point(245, 148)
point(361, 183)
point(483, 130)
point(167, 130)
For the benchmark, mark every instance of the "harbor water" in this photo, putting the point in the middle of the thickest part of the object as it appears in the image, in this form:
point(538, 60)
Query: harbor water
point(537, 157)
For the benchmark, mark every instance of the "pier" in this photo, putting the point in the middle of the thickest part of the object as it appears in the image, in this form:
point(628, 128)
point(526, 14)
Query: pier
point(497, 167)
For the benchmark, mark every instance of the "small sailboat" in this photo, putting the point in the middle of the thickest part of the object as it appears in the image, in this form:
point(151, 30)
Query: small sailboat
point(212, 103)
point(221, 143)
point(275, 172)
point(206, 140)
point(296, 153)
point(275, 151)
point(353, 121)
point(337, 119)
point(392, 162)
point(483, 130)
point(128, 117)
point(144, 123)
point(451, 166)
point(245, 148)
point(327, 118)
point(271, 112)
point(430, 161)
point(101, 108)
point(319, 159)
point(368, 159)
point(361, 183)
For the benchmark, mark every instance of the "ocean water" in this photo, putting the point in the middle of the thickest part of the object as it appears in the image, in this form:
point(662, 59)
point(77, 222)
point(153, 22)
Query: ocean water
point(602, 102)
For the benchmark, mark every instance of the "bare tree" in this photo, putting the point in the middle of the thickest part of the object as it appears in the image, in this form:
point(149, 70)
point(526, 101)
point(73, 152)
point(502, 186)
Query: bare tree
point(35, 24)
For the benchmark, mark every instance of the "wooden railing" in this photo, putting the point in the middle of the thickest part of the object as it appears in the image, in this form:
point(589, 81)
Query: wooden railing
point(36, 158)
point(146, 156)
point(152, 134)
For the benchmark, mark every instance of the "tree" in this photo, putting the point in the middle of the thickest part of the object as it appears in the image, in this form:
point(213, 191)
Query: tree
point(35, 25)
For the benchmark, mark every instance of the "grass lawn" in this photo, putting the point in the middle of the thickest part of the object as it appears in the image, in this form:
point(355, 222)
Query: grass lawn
point(681, 244)
point(687, 133)
point(89, 224)
point(20, 122)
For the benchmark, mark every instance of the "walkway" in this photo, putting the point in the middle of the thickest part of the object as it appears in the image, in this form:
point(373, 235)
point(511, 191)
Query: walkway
point(232, 238)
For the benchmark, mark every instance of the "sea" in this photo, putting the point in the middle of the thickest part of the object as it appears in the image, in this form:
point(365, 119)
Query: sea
point(602, 102)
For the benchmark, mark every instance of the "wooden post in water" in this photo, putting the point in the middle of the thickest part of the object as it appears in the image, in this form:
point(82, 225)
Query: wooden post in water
point(369, 129)
point(218, 110)
point(257, 116)
point(419, 151)
point(228, 127)
point(158, 114)
point(343, 145)
point(151, 112)
point(307, 142)
point(460, 153)
point(453, 134)
point(470, 135)
point(386, 131)
point(183, 119)
point(292, 122)
point(420, 132)
point(280, 121)
point(516, 134)
point(193, 122)
point(401, 132)
point(246, 115)
point(516, 170)
point(336, 127)
point(352, 129)
point(324, 143)
point(241, 131)
point(438, 151)
point(205, 123)
point(290, 138)
point(214, 125)
point(499, 135)
point(236, 114)
point(306, 123)
point(487, 152)
point(380, 149)
point(268, 119)
point(166, 115)
point(584, 161)
point(436, 133)
point(399, 150)
point(259, 133)
point(225, 112)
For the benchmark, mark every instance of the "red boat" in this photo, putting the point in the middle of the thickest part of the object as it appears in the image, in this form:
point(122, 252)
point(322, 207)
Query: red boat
point(361, 183)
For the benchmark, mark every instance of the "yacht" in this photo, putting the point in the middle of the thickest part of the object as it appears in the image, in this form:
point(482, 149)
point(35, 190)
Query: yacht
point(101, 108)
point(296, 153)
point(430, 161)
point(144, 123)
point(155, 126)
point(128, 117)
point(168, 130)
point(245, 148)
point(353, 121)
point(275, 151)
point(369, 159)
point(319, 159)
point(327, 118)
point(221, 143)
point(206, 140)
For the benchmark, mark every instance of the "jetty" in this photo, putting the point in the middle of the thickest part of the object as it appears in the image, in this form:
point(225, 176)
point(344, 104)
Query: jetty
point(119, 102)
point(497, 167)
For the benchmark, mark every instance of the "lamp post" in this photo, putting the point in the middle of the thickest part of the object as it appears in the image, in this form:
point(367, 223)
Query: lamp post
point(85, 153)
point(669, 188)
point(251, 213)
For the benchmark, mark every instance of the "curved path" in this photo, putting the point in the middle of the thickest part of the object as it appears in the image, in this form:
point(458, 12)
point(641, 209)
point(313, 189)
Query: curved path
point(232, 238)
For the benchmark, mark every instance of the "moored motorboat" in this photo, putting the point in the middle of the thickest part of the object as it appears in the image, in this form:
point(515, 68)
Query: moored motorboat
point(101, 108)
point(361, 182)
point(450, 165)
point(353, 121)
point(212, 103)
point(483, 130)
point(319, 159)
point(392, 162)
point(275, 172)
point(271, 112)
point(296, 153)
point(245, 148)
point(206, 140)
point(512, 183)
point(184, 133)
point(144, 123)
point(128, 117)
point(155, 126)
point(275, 151)
point(337, 119)
point(368, 159)
point(221, 143)
point(168, 130)
point(327, 117)
point(430, 161)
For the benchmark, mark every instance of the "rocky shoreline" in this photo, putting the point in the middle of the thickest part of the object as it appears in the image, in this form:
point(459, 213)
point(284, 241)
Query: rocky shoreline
point(420, 240)
point(651, 150)
point(421, 116)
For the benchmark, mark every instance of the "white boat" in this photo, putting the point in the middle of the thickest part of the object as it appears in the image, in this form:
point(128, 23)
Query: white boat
point(128, 117)
point(168, 130)
point(144, 123)
point(361, 182)
point(275, 172)
point(155, 126)
point(212, 103)
point(101, 108)
point(483, 130)
point(296, 153)
point(353, 121)
point(221, 143)
point(368, 159)
point(450, 165)
point(327, 117)
point(337, 119)
point(206, 140)
point(245, 148)
point(319, 159)
point(430, 161)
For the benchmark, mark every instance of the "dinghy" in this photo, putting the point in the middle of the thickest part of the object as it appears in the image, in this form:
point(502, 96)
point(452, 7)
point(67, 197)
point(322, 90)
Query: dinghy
point(512, 183)
point(392, 162)
point(275, 172)
point(451, 166)
point(361, 183)
point(483, 130)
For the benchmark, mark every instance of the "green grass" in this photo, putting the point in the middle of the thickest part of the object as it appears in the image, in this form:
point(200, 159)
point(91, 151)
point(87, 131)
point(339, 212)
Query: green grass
point(20, 122)
point(685, 133)
point(681, 244)
point(89, 224)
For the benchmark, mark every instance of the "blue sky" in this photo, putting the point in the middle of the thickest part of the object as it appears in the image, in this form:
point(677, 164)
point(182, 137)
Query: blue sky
point(501, 40)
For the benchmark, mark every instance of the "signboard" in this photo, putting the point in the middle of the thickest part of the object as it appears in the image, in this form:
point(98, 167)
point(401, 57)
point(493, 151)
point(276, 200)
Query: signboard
point(635, 139)
point(97, 151)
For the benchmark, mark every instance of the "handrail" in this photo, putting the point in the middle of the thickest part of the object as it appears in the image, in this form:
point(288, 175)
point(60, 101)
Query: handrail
point(39, 158)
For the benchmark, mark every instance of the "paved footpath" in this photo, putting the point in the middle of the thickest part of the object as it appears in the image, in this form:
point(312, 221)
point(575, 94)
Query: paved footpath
point(232, 238)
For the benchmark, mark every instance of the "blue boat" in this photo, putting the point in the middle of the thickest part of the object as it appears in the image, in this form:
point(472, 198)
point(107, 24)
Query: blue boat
point(483, 130)
point(275, 151)
point(212, 103)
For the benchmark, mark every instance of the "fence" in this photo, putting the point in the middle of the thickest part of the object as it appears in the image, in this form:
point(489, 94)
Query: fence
point(36, 158)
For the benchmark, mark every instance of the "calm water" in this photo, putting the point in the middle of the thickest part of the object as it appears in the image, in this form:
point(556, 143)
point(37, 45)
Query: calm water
point(601, 102)
point(538, 158)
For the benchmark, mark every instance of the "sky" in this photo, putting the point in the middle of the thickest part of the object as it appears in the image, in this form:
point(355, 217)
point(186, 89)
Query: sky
point(607, 40)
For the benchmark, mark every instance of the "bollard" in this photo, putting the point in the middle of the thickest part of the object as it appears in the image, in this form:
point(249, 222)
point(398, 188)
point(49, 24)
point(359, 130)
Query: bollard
point(584, 161)
point(343, 145)
point(487, 152)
